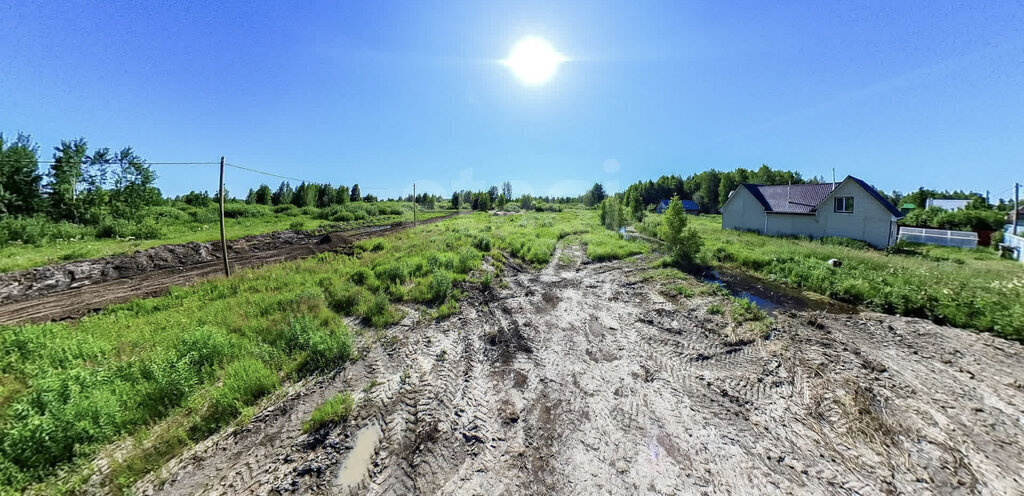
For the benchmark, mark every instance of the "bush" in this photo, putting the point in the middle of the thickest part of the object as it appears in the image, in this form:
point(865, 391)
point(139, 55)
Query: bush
point(288, 209)
point(482, 243)
point(321, 347)
point(121, 228)
point(39, 230)
point(334, 410)
point(683, 244)
point(297, 225)
point(166, 214)
point(440, 286)
point(235, 210)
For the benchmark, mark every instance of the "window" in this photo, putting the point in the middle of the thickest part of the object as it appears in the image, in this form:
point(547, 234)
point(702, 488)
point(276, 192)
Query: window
point(844, 204)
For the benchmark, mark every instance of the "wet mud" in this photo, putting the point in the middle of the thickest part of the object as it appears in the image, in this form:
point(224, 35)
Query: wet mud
point(584, 378)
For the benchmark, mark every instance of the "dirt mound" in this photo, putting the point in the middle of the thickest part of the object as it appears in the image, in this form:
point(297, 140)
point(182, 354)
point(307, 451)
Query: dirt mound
point(602, 385)
point(77, 288)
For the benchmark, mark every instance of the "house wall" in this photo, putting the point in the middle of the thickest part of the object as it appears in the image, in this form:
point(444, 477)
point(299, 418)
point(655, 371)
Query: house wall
point(870, 220)
point(743, 212)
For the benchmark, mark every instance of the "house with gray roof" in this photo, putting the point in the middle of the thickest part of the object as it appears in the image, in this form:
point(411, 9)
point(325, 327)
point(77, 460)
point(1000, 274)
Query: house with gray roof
point(848, 209)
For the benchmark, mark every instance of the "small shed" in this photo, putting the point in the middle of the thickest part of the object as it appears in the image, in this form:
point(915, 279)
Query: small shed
point(689, 206)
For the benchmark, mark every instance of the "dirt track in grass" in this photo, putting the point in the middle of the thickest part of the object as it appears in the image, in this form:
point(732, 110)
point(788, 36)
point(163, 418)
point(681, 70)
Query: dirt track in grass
point(585, 379)
point(74, 289)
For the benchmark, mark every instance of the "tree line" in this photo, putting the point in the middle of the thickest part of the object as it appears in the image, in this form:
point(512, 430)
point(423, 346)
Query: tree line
point(78, 186)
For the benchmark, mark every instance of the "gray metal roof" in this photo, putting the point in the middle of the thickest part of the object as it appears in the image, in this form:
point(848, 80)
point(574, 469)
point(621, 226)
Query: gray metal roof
point(805, 198)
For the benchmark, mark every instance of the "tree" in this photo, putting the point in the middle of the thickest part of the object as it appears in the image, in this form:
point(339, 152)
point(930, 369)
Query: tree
point(595, 196)
point(455, 200)
point(506, 189)
point(250, 197)
point(370, 199)
point(636, 206)
point(283, 195)
point(341, 195)
point(526, 202)
point(325, 196)
point(264, 195)
point(65, 174)
point(19, 176)
point(302, 198)
point(355, 195)
point(134, 185)
point(492, 193)
point(683, 244)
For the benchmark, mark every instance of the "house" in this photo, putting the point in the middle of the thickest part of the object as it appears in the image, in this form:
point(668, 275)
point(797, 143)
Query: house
point(850, 209)
point(689, 206)
point(951, 205)
point(907, 207)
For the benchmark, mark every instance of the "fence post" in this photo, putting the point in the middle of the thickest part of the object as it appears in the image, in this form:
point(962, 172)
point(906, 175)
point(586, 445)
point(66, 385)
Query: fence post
point(223, 238)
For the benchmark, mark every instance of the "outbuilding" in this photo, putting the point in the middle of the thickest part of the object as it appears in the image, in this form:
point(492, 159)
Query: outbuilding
point(689, 206)
point(849, 209)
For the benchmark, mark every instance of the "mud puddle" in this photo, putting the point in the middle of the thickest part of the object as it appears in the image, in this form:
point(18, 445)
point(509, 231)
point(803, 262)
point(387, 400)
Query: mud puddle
point(772, 297)
point(357, 465)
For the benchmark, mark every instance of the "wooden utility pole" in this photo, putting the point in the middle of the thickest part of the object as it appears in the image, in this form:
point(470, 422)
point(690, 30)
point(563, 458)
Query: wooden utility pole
point(1016, 205)
point(413, 204)
point(223, 237)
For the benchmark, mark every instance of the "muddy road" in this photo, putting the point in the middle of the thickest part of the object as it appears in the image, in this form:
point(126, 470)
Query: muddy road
point(586, 379)
point(74, 289)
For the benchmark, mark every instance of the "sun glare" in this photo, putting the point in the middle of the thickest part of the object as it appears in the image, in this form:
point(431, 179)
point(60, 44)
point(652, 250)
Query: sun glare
point(534, 61)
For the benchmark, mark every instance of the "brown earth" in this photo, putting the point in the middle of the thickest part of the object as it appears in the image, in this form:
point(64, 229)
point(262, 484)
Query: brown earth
point(74, 289)
point(585, 378)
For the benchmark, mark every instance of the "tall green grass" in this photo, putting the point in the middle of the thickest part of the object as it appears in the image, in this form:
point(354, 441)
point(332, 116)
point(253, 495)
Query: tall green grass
point(168, 371)
point(971, 289)
point(50, 243)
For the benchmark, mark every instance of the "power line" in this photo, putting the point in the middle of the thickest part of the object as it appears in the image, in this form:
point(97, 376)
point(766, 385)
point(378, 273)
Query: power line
point(39, 162)
point(299, 179)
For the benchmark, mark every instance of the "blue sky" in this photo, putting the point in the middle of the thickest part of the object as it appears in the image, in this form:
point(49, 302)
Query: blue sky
point(385, 94)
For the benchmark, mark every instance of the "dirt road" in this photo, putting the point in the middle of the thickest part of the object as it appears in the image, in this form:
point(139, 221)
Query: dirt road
point(584, 379)
point(72, 290)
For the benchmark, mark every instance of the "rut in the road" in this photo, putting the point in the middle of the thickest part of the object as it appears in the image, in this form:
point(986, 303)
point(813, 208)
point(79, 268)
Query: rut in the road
point(582, 379)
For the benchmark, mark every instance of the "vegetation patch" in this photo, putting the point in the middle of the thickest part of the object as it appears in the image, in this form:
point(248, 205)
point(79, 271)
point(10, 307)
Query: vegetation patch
point(335, 410)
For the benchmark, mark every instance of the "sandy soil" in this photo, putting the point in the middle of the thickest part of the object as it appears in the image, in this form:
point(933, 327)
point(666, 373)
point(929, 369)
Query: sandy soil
point(584, 379)
point(74, 289)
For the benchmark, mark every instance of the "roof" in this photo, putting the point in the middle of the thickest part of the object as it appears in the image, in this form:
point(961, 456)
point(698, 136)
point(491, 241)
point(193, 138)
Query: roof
point(908, 205)
point(805, 198)
point(790, 199)
point(690, 205)
point(663, 203)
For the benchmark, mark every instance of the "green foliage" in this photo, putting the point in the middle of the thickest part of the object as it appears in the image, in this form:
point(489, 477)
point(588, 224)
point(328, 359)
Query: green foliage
point(744, 310)
point(715, 309)
point(960, 220)
point(336, 409)
point(683, 244)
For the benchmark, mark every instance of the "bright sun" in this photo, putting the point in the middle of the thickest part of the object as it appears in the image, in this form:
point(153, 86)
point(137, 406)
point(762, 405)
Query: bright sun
point(534, 61)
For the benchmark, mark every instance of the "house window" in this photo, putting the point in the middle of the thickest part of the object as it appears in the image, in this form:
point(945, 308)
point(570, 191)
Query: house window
point(844, 204)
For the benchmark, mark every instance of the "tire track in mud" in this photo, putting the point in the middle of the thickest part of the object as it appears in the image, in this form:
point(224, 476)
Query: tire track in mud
point(578, 379)
point(73, 290)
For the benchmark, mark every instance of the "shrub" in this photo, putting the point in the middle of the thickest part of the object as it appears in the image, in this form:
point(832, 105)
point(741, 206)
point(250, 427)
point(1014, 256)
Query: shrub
point(121, 228)
point(482, 243)
point(744, 310)
point(166, 214)
point(297, 225)
point(289, 210)
point(39, 230)
point(236, 210)
point(320, 346)
point(377, 310)
point(440, 286)
point(392, 273)
point(683, 244)
point(334, 410)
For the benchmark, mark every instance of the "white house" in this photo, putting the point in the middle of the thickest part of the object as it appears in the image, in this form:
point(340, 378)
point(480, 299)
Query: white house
point(849, 209)
point(946, 204)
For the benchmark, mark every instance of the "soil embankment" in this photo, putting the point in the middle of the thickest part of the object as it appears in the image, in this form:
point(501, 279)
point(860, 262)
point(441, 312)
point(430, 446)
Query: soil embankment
point(74, 289)
point(586, 379)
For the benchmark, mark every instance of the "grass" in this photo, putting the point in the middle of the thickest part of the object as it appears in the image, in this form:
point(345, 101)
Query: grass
point(164, 373)
point(201, 225)
point(971, 289)
point(336, 409)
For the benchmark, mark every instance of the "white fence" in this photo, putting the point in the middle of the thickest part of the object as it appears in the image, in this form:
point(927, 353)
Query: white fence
point(1014, 241)
point(959, 239)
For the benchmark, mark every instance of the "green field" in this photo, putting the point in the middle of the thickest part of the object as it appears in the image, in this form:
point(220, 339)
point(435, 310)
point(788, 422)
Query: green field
point(166, 372)
point(61, 243)
point(972, 289)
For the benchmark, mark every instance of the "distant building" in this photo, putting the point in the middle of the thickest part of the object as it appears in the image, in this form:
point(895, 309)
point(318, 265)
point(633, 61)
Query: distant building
point(850, 209)
point(689, 206)
point(951, 205)
point(907, 207)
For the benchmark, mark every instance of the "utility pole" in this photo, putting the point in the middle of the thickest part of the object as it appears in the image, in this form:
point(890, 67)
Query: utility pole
point(413, 204)
point(1016, 205)
point(223, 238)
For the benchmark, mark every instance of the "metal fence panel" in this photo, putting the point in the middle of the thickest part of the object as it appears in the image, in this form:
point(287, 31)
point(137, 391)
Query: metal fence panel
point(959, 239)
